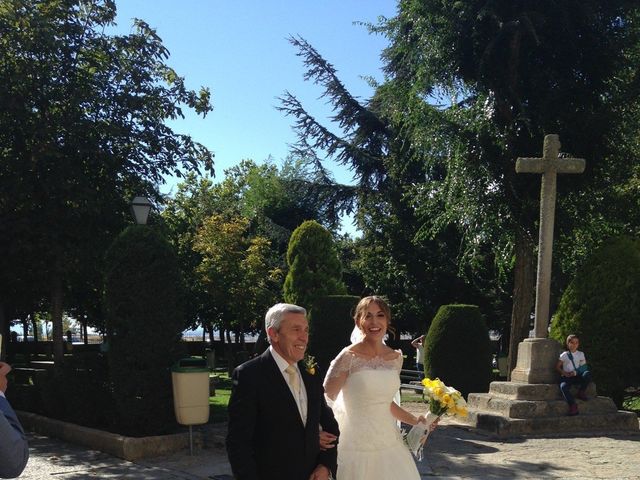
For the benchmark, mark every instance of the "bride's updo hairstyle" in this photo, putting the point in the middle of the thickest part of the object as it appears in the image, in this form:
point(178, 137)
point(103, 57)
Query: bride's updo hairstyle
point(363, 306)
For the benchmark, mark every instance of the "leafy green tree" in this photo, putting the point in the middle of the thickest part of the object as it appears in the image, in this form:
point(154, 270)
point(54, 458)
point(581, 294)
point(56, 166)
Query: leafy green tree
point(236, 272)
point(196, 199)
point(271, 199)
point(602, 306)
point(513, 71)
point(144, 326)
point(82, 126)
point(396, 254)
point(471, 86)
point(314, 267)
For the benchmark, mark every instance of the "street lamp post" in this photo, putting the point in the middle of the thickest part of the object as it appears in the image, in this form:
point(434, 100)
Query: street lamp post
point(141, 206)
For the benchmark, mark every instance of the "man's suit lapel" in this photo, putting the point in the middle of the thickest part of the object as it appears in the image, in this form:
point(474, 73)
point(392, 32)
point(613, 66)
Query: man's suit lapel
point(310, 384)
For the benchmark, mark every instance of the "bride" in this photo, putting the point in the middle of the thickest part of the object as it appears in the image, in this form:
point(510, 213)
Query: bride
point(360, 385)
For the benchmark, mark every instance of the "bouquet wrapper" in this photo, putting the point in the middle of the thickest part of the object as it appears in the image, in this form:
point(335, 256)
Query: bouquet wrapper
point(418, 435)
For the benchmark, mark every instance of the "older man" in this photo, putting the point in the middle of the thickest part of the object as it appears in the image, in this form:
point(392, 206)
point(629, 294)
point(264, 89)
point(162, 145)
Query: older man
point(14, 450)
point(277, 408)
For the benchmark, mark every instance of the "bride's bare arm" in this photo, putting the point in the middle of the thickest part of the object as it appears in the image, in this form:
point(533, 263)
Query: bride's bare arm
point(401, 414)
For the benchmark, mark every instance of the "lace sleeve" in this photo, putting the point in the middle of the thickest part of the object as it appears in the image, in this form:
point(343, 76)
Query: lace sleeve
point(340, 365)
point(337, 373)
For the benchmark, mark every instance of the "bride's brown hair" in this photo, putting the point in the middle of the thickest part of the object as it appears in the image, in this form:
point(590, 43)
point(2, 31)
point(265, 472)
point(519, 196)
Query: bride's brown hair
point(363, 305)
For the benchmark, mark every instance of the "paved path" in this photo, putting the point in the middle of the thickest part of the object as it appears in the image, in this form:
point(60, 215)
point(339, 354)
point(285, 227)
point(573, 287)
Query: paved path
point(453, 452)
point(458, 453)
point(54, 459)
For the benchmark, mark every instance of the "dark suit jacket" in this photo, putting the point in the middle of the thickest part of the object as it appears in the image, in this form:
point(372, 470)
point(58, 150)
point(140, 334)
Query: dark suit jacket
point(267, 439)
point(14, 450)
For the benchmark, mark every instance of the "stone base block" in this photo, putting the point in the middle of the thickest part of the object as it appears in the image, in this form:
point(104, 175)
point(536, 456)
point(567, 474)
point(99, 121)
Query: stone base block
point(535, 408)
point(537, 358)
point(502, 426)
point(531, 391)
point(512, 408)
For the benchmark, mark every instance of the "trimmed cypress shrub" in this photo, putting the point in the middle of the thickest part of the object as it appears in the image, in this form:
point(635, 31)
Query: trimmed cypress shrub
point(458, 350)
point(144, 323)
point(602, 306)
point(330, 326)
point(314, 267)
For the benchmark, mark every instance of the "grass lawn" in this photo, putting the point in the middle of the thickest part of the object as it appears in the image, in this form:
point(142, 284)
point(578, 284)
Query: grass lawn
point(408, 396)
point(631, 402)
point(220, 401)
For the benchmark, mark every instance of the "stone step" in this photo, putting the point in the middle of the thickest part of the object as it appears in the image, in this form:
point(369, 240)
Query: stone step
point(486, 402)
point(531, 391)
point(502, 426)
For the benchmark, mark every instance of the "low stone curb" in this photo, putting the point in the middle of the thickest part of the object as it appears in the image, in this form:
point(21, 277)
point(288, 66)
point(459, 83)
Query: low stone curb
point(127, 448)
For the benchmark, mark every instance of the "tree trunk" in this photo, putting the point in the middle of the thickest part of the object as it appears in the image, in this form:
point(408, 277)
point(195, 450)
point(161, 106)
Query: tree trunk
point(56, 320)
point(261, 343)
point(523, 295)
point(34, 322)
point(241, 335)
point(209, 328)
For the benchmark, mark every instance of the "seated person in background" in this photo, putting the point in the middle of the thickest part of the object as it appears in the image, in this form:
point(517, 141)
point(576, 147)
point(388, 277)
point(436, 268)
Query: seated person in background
point(568, 367)
point(14, 450)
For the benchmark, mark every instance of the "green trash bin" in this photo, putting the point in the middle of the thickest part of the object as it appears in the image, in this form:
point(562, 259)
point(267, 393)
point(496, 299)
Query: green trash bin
point(190, 378)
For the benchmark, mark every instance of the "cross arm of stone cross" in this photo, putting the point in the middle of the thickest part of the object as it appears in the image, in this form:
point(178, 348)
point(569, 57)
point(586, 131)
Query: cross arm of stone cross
point(541, 165)
point(550, 162)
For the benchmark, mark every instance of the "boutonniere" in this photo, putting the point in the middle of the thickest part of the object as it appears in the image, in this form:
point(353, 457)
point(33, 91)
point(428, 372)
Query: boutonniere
point(310, 364)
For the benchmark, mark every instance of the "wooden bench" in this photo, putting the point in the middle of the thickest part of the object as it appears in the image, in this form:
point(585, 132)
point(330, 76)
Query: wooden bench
point(27, 375)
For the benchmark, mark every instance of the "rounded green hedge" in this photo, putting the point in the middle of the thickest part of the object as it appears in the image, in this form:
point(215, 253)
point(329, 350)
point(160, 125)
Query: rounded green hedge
point(314, 266)
point(602, 306)
point(458, 350)
point(144, 320)
point(330, 326)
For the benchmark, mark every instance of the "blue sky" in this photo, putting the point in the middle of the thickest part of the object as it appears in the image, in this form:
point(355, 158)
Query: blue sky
point(239, 49)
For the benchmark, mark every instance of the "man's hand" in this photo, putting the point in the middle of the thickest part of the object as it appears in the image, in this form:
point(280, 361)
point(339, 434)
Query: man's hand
point(320, 473)
point(5, 368)
point(327, 440)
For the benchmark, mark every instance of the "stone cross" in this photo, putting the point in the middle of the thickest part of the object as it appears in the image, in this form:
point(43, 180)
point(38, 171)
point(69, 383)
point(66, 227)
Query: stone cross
point(549, 166)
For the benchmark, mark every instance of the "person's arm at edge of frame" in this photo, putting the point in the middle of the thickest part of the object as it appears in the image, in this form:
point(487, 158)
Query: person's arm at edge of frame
point(14, 448)
point(329, 458)
point(242, 410)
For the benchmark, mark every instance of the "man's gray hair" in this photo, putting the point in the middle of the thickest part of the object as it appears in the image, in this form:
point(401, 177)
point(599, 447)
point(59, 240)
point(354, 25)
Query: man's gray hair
point(275, 314)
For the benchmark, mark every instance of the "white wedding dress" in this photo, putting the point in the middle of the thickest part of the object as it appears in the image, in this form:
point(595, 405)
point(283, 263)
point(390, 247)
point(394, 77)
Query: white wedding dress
point(370, 445)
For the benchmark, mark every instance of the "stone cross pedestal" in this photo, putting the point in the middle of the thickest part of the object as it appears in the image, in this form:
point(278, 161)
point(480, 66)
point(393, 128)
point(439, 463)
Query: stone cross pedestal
point(531, 402)
point(537, 356)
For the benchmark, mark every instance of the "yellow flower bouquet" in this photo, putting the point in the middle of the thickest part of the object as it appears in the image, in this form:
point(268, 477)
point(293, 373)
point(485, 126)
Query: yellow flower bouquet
point(443, 400)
